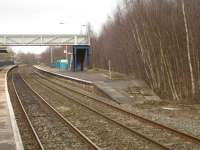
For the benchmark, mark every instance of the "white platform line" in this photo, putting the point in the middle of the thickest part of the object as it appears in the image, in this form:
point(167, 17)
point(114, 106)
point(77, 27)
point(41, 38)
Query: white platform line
point(17, 136)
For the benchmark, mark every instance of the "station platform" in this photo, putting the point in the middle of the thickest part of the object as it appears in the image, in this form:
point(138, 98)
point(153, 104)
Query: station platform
point(10, 138)
point(115, 89)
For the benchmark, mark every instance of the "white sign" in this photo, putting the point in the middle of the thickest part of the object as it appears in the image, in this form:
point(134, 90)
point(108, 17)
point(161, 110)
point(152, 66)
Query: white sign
point(65, 51)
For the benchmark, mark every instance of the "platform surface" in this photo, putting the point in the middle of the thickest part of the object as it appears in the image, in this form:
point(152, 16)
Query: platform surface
point(9, 134)
point(115, 89)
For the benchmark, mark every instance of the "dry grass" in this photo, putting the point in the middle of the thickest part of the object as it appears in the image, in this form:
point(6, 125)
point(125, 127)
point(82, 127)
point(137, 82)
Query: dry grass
point(153, 104)
point(114, 75)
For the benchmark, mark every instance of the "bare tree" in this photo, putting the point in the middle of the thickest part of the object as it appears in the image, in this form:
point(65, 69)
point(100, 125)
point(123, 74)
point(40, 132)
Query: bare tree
point(156, 40)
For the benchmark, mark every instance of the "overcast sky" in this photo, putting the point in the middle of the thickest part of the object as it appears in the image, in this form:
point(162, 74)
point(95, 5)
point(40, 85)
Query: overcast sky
point(45, 16)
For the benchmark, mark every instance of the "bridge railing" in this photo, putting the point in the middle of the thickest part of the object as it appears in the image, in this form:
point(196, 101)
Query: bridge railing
point(43, 39)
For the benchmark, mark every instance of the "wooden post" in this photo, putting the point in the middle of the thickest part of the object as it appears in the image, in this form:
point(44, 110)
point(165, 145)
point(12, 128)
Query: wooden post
point(51, 55)
point(109, 65)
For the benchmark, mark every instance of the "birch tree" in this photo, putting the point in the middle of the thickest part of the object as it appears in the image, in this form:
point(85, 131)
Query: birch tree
point(157, 41)
point(188, 47)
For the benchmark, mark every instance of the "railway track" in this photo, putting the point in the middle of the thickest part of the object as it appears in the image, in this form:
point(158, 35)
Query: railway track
point(50, 129)
point(105, 132)
point(28, 134)
point(169, 137)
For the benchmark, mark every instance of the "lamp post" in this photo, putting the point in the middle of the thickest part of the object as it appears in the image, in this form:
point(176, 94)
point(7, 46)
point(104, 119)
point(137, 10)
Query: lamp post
point(51, 48)
point(87, 31)
point(66, 52)
point(83, 25)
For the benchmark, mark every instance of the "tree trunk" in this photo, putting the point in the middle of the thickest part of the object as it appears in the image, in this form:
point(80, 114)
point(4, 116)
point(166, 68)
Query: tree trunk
point(188, 48)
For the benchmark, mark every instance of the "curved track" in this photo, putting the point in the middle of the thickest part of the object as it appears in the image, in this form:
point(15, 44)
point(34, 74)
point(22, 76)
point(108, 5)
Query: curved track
point(50, 128)
point(129, 135)
point(30, 137)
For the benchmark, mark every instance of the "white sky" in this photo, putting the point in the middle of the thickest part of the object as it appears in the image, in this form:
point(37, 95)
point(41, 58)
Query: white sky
point(45, 16)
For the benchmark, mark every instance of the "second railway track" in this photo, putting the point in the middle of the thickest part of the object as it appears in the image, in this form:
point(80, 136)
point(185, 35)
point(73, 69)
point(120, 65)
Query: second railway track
point(105, 132)
point(171, 138)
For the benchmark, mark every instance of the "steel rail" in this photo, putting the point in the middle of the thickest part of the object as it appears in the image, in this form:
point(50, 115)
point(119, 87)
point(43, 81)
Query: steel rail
point(26, 116)
point(96, 99)
point(189, 137)
point(83, 136)
point(109, 119)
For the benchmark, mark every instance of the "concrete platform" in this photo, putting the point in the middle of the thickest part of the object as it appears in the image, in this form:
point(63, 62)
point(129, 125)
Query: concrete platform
point(115, 89)
point(98, 80)
point(10, 138)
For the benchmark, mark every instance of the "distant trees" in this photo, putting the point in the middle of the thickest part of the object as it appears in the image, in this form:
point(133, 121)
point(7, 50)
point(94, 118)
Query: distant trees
point(26, 58)
point(158, 41)
point(58, 53)
point(7, 56)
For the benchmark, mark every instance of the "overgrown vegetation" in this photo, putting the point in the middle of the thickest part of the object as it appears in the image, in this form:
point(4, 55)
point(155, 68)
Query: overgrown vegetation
point(114, 75)
point(158, 41)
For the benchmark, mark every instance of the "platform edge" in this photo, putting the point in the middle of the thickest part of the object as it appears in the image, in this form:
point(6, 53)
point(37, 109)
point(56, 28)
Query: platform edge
point(17, 136)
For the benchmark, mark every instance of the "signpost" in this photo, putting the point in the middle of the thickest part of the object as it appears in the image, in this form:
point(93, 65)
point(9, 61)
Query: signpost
point(65, 51)
point(68, 56)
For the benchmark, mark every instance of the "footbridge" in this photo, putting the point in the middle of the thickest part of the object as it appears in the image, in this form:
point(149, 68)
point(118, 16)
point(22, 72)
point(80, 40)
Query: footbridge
point(77, 46)
point(43, 39)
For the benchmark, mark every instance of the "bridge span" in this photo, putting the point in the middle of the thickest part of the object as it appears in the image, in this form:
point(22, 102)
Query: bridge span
point(43, 39)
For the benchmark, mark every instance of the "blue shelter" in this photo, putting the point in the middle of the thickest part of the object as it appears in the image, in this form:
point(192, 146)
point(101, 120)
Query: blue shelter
point(80, 57)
